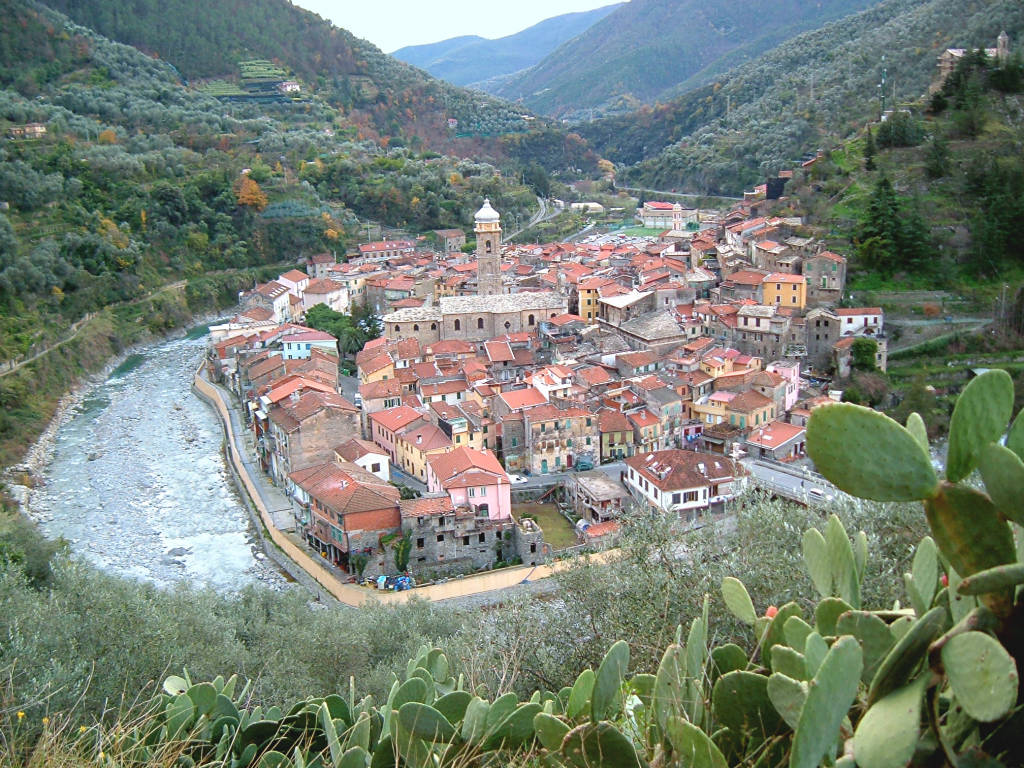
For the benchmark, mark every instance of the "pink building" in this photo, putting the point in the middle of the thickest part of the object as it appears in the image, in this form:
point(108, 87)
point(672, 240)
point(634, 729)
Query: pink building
point(790, 371)
point(472, 479)
point(385, 424)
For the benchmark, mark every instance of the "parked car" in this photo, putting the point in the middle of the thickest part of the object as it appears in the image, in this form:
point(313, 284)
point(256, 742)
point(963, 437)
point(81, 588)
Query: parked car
point(584, 465)
point(516, 479)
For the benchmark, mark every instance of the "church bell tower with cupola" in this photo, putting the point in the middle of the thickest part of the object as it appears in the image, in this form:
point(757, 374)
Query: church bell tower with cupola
point(488, 245)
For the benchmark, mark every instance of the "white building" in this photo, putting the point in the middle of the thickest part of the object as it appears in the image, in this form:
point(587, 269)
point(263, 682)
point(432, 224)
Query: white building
point(680, 482)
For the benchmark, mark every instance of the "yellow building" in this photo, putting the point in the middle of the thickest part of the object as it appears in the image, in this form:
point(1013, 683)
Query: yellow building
point(783, 290)
point(414, 446)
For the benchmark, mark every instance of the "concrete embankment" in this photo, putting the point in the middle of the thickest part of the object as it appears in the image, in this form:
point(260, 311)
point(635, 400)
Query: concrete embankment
point(288, 552)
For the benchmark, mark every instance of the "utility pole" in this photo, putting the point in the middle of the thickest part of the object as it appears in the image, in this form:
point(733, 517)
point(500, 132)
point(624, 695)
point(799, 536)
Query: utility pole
point(881, 88)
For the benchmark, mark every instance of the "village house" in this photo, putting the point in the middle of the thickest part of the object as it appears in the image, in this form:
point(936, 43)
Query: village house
point(304, 429)
point(343, 512)
point(683, 483)
point(617, 440)
point(415, 445)
point(557, 439)
point(385, 426)
point(471, 478)
point(778, 441)
point(596, 497)
point(365, 454)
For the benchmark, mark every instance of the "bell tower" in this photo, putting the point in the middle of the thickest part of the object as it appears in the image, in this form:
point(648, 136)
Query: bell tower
point(488, 246)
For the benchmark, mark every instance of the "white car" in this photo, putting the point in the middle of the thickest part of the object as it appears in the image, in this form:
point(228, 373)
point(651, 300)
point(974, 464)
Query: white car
point(516, 479)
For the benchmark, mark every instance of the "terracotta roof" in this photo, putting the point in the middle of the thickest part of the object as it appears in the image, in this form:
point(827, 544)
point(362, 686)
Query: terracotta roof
point(376, 390)
point(346, 489)
point(394, 419)
point(466, 466)
point(430, 506)
point(748, 401)
point(295, 276)
point(357, 448)
point(523, 398)
point(846, 311)
point(674, 470)
point(595, 375)
point(428, 437)
point(643, 418)
point(610, 420)
point(774, 434)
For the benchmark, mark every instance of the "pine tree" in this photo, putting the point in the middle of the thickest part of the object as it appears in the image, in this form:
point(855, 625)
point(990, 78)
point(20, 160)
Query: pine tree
point(869, 151)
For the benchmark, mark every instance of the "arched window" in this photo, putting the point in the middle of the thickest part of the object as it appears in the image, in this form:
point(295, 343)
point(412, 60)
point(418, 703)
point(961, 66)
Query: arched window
point(553, 315)
point(416, 326)
point(458, 325)
point(530, 320)
point(480, 323)
point(487, 245)
point(433, 326)
point(398, 328)
point(507, 325)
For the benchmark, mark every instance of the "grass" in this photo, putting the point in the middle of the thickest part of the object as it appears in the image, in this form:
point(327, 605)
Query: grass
point(558, 532)
point(639, 232)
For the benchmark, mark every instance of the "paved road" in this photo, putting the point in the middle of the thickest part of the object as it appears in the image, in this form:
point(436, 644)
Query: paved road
point(543, 214)
point(273, 498)
point(674, 194)
point(794, 483)
point(533, 482)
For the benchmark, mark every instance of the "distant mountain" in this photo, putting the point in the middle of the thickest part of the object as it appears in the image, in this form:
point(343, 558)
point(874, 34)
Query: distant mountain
point(808, 93)
point(471, 59)
point(646, 48)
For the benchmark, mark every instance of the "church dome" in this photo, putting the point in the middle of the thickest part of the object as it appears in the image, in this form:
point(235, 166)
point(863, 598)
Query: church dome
point(486, 214)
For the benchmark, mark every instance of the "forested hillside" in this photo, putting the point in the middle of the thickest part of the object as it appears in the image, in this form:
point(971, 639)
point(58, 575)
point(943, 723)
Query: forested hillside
point(807, 93)
point(380, 96)
point(932, 198)
point(648, 47)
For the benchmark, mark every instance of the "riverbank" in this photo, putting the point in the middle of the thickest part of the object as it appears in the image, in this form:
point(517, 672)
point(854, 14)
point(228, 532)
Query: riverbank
point(131, 477)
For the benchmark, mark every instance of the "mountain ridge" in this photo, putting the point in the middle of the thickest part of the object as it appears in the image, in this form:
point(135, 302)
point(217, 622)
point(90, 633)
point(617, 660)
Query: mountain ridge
point(646, 48)
point(471, 59)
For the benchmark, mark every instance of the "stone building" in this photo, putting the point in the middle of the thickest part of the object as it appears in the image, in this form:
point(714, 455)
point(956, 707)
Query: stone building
point(488, 250)
point(474, 318)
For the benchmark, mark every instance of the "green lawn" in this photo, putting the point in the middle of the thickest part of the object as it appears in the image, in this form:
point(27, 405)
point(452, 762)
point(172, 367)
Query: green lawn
point(639, 232)
point(558, 532)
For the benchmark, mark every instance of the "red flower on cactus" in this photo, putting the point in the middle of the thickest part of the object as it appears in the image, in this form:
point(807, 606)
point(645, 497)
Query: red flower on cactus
point(770, 612)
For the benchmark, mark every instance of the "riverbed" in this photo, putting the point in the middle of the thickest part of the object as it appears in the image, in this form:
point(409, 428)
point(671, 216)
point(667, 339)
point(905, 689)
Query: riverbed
point(137, 483)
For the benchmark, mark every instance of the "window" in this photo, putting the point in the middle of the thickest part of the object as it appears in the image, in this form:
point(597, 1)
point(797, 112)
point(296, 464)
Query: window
point(507, 325)
point(483, 538)
point(543, 427)
point(588, 422)
point(416, 326)
point(472, 492)
point(531, 320)
point(433, 326)
point(398, 328)
point(458, 325)
point(676, 497)
point(440, 537)
point(690, 496)
point(485, 429)
point(480, 323)
point(465, 541)
point(419, 543)
point(458, 438)
point(375, 467)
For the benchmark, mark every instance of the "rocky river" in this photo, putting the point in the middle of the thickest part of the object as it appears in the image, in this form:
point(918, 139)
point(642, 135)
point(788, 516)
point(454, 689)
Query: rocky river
point(137, 484)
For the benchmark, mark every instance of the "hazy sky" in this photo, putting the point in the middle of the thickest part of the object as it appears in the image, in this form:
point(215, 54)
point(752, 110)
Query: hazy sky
point(394, 24)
